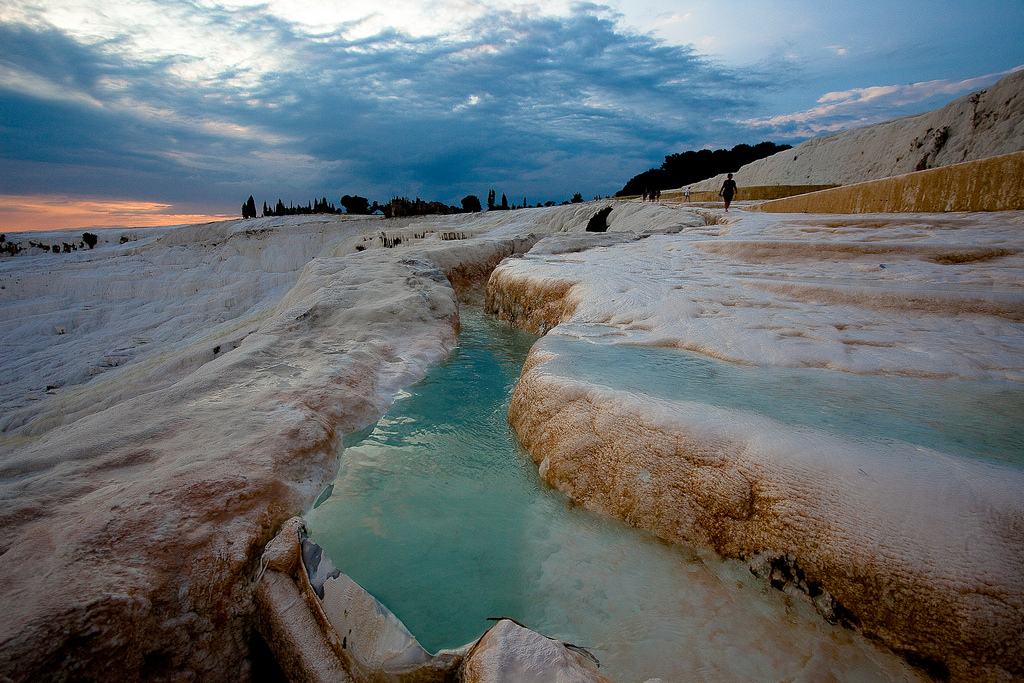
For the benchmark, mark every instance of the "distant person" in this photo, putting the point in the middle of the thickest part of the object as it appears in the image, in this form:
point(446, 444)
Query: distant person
point(687, 194)
point(728, 190)
point(645, 196)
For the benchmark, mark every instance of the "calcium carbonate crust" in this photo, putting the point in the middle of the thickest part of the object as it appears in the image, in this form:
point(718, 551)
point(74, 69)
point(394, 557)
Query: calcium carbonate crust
point(135, 500)
point(922, 550)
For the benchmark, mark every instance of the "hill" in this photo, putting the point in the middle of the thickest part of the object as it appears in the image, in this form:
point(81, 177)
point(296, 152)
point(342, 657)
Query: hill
point(692, 166)
point(983, 124)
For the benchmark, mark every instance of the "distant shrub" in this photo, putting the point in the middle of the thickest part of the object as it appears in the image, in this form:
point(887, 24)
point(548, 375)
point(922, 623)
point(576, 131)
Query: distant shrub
point(9, 248)
point(577, 198)
point(471, 204)
point(89, 239)
point(403, 206)
point(356, 205)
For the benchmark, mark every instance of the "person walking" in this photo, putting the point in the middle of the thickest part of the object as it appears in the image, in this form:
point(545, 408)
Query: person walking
point(687, 194)
point(728, 190)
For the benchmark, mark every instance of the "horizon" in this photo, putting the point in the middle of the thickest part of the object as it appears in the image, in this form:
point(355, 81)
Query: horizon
point(146, 113)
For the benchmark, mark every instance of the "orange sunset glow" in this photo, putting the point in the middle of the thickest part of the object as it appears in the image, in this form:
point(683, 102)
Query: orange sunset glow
point(55, 212)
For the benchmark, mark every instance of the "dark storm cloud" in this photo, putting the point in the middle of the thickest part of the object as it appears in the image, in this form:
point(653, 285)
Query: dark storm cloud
point(536, 106)
point(64, 131)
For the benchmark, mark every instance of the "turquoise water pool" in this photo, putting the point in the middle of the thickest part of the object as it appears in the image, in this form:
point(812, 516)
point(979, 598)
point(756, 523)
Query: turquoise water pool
point(441, 515)
point(974, 419)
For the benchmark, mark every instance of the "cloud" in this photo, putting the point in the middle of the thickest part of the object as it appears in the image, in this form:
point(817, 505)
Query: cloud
point(669, 19)
point(214, 104)
point(862, 106)
point(56, 212)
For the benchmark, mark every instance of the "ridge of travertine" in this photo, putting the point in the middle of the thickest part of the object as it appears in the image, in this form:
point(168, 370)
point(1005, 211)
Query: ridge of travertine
point(172, 396)
point(925, 549)
point(915, 546)
point(983, 124)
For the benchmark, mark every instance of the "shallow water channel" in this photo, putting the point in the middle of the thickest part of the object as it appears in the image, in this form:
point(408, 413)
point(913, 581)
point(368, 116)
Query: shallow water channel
point(441, 515)
point(957, 417)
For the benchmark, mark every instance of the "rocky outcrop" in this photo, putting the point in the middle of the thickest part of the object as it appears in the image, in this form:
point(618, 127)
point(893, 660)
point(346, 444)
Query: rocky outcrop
point(921, 549)
point(134, 505)
point(322, 626)
point(984, 124)
point(511, 653)
point(921, 552)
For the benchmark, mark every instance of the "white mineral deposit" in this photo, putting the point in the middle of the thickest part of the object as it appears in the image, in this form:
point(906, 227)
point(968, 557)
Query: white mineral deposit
point(169, 401)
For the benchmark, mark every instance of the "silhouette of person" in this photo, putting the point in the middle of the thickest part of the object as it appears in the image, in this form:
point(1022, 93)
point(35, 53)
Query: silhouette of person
point(687, 194)
point(728, 190)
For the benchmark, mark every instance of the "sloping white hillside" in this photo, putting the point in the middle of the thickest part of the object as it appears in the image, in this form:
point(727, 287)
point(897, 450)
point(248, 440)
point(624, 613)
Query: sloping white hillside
point(977, 126)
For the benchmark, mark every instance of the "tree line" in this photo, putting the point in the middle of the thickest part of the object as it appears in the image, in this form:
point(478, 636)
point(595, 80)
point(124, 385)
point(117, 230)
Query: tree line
point(678, 170)
point(690, 167)
point(397, 207)
point(350, 205)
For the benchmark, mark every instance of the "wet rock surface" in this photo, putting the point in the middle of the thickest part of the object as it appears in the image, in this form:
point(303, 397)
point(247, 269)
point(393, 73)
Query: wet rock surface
point(322, 626)
point(919, 547)
point(143, 497)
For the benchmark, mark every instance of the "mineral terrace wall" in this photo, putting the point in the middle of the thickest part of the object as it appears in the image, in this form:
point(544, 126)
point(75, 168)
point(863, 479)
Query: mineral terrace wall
point(933, 573)
point(922, 550)
point(993, 184)
point(762, 192)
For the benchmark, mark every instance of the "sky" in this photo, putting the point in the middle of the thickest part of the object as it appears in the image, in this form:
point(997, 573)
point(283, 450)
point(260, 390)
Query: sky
point(152, 113)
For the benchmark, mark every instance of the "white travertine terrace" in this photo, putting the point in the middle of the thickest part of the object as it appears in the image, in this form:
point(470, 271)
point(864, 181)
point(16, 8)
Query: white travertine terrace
point(925, 549)
point(169, 402)
point(917, 295)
